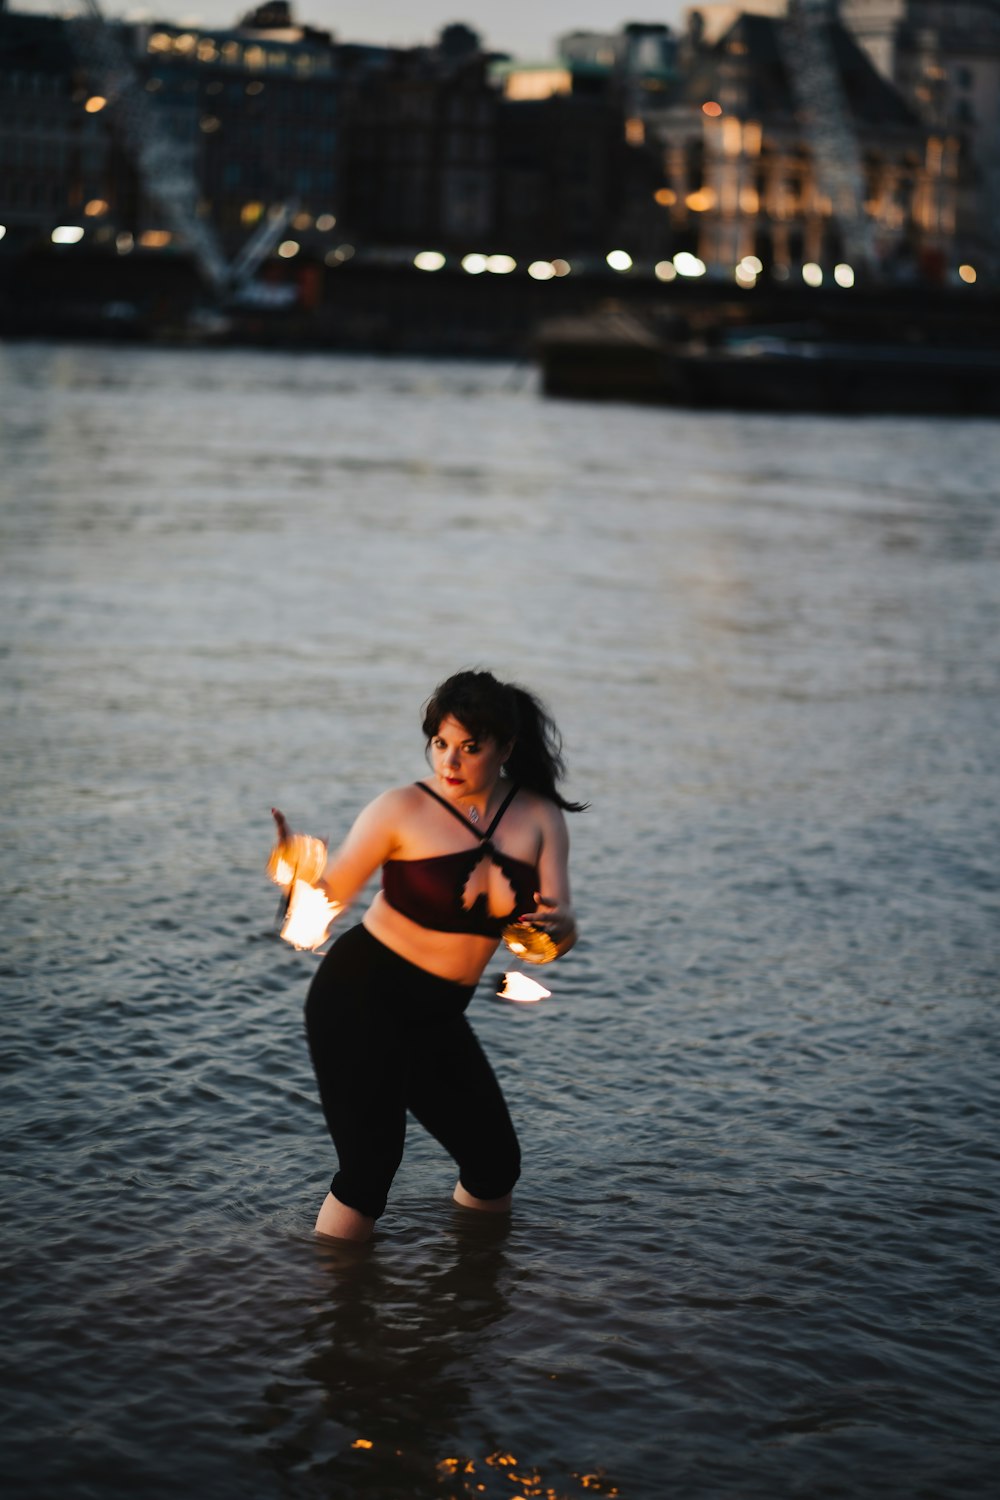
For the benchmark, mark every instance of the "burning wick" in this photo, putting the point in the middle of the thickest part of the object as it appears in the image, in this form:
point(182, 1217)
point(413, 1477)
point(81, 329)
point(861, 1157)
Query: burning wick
point(520, 987)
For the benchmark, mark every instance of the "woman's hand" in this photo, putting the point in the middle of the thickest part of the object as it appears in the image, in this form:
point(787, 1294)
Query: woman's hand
point(555, 919)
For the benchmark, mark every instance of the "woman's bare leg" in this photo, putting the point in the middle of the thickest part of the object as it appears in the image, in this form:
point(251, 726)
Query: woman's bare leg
point(339, 1222)
point(487, 1205)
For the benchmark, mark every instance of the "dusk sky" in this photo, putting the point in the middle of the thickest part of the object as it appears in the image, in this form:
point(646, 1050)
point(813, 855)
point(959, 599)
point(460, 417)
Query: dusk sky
point(526, 28)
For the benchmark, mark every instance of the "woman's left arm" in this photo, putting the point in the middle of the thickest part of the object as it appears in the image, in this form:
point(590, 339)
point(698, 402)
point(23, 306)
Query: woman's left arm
point(553, 903)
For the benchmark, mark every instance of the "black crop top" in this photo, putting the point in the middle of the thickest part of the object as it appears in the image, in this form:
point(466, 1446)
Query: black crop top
point(432, 891)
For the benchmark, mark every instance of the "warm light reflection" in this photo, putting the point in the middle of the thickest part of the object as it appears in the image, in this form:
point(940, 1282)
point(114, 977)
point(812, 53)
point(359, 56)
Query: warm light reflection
point(519, 987)
point(541, 270)
point(711, 108)
point(95, 104)
point(429, 260)
point(665, 270)
point(474, 264)
point(812, 274)
point(95, 208)
point(288, 248)
point(155, 239)
point(501, 265)
point(665, 197)
point(326, 222)
point(968, 275)
point(561, 267)
point(67, 234)
point(843, 275)
point(619, 260)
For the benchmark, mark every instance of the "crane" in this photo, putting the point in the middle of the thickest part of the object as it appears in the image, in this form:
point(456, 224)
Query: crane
point(165, 174)
point(819, 95)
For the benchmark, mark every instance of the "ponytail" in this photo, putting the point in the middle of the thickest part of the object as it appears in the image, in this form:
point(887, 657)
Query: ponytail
point(536, 761)
point(490, 709)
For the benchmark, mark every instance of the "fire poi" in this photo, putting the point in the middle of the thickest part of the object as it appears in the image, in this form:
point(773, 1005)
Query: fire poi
point(295, 864)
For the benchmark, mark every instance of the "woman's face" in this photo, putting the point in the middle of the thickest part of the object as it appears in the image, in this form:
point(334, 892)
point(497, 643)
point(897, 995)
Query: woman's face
point(465, 767)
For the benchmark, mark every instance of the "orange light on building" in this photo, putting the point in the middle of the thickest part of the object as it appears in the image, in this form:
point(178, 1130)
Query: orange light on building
point(155, 239)
point(95, 104)
point(635, 131)
point(95, 208)
point(537, 83)
point(968, 275)
point(702, 201)
point(711, 108)
point(749, 200)
point(665, 197)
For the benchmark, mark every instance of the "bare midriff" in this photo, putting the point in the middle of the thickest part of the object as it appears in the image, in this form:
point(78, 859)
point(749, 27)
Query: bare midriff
point(459, 956)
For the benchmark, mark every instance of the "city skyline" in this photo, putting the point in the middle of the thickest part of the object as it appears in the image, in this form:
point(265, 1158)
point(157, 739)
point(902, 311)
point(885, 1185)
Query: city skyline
point(528, 31)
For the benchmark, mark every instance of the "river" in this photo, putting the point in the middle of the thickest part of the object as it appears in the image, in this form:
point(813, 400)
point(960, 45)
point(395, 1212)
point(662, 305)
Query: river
point(754, 1250)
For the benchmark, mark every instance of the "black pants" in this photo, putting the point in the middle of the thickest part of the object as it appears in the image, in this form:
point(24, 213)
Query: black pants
point(387, 1037)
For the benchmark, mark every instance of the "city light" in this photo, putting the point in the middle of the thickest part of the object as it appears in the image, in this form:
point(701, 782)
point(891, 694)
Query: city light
point(3, 230)
point(67, 234)
point(95, 104)
point(541, 270)
point(561, 267)
point(968, 275)
point(665, 197)
point(288, 248)
point(337, 257)
point(209, 124)
point(429, 260)
point(665, 270)
point(843, 274)
point(501, 265)
point(746, 277)
point(474, 264)
point(302, 221)
point(155, 239)
point(701, 201)
point(812, 274)
point(124, 242)
point(95, 208)
point(753, 264)
point(711, 109)
point(687, 264)
point(326, 222)
point(619, 260)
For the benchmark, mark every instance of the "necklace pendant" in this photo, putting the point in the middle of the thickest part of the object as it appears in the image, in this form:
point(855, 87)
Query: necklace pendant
point(473, 815)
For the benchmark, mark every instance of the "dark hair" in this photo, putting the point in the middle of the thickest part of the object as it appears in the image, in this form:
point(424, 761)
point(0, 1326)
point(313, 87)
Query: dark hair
point(502, 711)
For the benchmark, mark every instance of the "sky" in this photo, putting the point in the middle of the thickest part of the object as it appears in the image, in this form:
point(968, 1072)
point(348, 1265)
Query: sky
point(526, 28)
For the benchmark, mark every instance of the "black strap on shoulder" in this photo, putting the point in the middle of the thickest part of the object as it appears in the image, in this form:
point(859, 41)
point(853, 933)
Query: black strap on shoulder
point(500, 812)
point(462, 817)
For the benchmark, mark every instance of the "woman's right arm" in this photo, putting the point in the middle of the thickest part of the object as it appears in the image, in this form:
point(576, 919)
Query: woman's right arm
point(371, 841)
point(347, 869)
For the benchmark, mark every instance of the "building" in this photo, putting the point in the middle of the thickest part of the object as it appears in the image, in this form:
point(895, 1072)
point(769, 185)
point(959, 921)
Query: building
point(739, 174)
point(56, 159)
point(944, 56)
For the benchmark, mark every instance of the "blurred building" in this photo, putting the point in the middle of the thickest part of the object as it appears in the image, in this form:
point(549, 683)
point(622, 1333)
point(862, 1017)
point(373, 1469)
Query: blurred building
point(420, 157)
point(739, 171)
point(944, 56)
point(56, 158)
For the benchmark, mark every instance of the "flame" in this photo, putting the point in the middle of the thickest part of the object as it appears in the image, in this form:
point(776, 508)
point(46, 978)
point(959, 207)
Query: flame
point(520, 987)
point(308, 916)
point(296, 863)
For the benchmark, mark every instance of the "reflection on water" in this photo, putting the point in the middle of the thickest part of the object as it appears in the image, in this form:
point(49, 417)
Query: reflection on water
point(753, 1250)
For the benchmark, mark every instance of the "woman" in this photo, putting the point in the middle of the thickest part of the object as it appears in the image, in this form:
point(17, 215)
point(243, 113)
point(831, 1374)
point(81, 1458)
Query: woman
point(475, 845)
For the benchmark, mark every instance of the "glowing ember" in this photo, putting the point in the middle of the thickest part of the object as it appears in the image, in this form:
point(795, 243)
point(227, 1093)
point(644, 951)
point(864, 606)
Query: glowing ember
point(520, 987)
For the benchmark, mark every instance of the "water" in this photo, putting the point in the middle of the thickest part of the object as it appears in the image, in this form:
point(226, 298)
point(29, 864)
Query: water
point(754, 1249)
